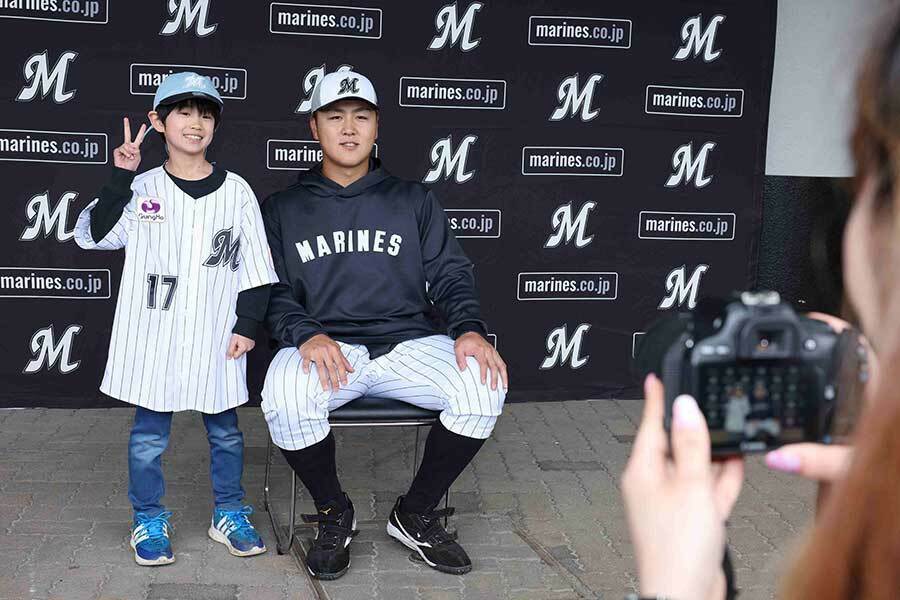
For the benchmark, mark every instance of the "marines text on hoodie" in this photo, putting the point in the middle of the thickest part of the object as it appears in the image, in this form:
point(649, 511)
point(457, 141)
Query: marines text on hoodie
point(353, 262)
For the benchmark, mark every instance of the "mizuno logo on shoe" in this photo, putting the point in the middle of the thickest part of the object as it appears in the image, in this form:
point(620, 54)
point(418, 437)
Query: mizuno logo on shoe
point(411, 538)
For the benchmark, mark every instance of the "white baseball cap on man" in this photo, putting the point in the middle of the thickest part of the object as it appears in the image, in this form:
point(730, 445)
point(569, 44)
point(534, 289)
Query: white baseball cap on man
point(341, 85)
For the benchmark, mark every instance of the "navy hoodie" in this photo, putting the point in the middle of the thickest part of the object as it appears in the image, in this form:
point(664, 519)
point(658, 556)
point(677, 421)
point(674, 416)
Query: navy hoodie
point(353, 262)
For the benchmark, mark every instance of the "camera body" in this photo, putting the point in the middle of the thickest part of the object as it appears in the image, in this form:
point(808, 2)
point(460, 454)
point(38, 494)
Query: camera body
point(762, 375)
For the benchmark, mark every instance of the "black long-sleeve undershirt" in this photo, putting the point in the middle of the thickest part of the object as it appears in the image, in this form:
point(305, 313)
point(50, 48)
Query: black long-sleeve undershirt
point(111, 201)
point(251, 310)
point(116, 194)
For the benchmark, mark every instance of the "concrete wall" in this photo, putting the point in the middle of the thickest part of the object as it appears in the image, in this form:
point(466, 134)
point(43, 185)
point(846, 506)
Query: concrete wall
point(818, 46)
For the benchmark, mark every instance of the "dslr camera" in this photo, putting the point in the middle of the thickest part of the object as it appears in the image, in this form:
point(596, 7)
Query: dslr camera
point(762, 375)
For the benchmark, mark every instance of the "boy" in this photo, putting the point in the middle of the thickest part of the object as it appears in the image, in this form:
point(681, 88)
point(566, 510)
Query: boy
point(354, 248)
point(197, 268)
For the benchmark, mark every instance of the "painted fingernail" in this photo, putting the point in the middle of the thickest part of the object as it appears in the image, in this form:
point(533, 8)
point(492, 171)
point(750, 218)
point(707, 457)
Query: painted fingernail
point(783, 461)
point(686, 413)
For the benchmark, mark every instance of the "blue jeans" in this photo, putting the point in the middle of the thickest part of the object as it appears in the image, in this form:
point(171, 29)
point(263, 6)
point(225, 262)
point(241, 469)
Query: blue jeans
point(149, 438)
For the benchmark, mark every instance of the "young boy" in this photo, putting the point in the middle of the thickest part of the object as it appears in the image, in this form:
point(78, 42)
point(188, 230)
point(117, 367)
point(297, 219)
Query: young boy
point(354, 247)
point(195, 285)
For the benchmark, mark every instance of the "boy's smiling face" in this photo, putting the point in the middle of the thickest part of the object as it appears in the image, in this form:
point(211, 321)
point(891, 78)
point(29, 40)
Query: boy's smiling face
point(188, 128)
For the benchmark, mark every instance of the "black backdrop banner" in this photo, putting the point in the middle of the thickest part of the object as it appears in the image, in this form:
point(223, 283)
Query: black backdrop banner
point(601, 162)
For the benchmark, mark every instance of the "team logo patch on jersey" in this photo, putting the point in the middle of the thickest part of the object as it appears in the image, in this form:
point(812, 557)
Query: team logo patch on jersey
point(150, 210)
point(226, 251)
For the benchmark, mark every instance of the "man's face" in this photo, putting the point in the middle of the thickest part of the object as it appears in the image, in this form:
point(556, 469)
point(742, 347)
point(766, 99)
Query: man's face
point(347, 130)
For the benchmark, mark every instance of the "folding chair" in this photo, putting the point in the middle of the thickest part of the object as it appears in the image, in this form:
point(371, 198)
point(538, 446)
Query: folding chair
point(362, 412)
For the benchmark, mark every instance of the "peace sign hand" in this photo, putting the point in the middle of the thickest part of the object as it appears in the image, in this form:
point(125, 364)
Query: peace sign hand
point(128, 155)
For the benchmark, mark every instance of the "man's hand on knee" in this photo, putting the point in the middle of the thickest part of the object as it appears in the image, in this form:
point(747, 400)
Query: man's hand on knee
point(331, 363)
point(489, 361)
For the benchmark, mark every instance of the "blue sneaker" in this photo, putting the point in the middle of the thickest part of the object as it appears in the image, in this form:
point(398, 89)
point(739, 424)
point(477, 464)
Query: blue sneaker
point(233, 528)
point(150, 540)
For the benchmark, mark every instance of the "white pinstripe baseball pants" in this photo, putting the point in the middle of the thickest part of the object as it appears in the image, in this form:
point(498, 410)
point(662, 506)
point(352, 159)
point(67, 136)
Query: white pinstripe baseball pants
point(422, 372)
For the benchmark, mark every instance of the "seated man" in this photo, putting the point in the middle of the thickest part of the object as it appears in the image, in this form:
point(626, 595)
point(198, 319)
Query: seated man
point(354, 248)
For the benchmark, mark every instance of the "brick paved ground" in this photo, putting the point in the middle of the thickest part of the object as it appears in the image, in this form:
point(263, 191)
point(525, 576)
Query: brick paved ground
point(539, 512)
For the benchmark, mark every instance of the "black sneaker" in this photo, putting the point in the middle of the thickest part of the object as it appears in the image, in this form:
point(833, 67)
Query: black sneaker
point(425, 534)
point(329, 556)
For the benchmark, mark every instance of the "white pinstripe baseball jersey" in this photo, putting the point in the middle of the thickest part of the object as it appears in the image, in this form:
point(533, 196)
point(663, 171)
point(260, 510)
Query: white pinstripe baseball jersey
point(186, 260)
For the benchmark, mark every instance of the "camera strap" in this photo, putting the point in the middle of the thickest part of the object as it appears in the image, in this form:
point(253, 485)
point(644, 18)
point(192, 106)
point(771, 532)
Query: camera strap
point(731, 591)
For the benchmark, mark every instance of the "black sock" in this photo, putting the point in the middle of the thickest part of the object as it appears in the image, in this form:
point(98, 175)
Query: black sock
point(446, 455)
point(316, 467)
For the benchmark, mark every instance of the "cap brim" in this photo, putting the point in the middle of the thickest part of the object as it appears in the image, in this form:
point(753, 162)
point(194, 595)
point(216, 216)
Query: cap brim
point(187, 95)
point(367, 101)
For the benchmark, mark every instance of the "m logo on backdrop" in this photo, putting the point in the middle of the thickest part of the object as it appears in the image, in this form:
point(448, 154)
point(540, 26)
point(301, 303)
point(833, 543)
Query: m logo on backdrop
point(310, 80)
point(186, 14)
point(452, 30)
point(562, 349)
point(41, 79)
point(687, 168)
point(568, 229)
point(571, 100)
point(225, 251)
point(446, 163)
point(42, 219)
point(678, 291)
point(46, 352)
point(696, 41)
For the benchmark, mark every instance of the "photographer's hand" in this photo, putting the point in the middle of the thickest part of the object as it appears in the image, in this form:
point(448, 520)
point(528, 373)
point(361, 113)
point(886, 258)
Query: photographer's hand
point(838, 325)
point(818, 462)
point(677, 505)
point(821, 463)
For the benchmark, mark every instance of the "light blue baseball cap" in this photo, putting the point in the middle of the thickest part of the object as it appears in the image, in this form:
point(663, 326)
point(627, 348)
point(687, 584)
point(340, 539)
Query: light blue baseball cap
point(180, 86)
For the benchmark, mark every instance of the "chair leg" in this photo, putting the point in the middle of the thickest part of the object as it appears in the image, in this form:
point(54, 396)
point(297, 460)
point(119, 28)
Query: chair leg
point(446, 505)
point(280, 546)
point(268, 470)
point(415, 464)
point(293, 516)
